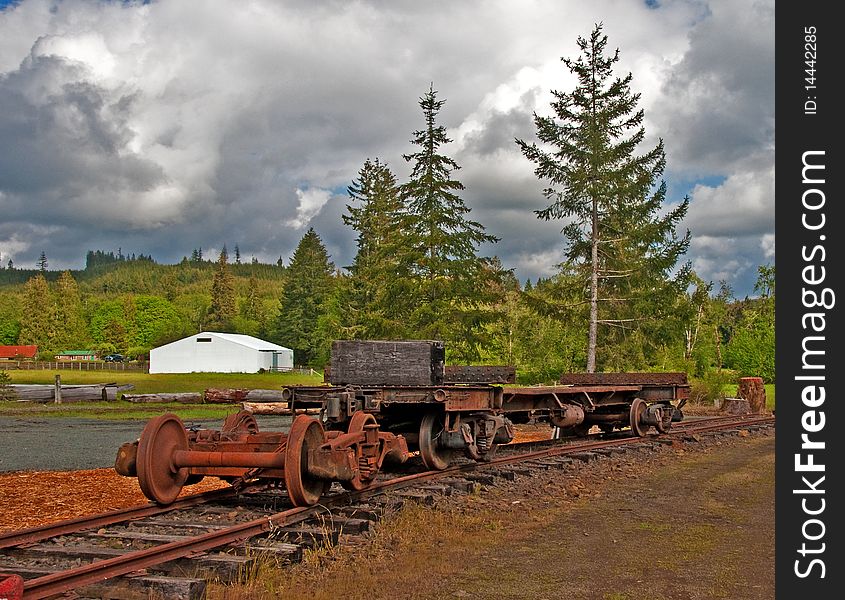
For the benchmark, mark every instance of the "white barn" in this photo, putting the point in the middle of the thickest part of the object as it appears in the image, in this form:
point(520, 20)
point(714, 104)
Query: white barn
point(210, 352)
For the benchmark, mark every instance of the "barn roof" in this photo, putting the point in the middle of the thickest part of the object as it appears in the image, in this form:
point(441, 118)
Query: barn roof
point(15, 351)
point(242, 340)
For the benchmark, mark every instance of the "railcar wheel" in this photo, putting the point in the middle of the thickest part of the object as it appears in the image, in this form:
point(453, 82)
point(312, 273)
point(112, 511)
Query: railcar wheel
point(356, 425)
point(305, 434)
point(159, 480)
point(431, 428)
point(638, 408)
point(241, 422)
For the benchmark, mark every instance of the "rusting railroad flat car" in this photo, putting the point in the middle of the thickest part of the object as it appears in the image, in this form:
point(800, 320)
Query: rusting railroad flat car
point(476, 418)
point(382, 401)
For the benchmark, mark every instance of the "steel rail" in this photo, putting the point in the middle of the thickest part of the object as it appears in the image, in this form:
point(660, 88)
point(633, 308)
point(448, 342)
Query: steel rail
point(38, 533)
point(64, 581)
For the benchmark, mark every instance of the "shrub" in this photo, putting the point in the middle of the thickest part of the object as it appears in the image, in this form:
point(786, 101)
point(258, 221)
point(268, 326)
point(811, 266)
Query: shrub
point(6, 391)
point(711, 387)
point(138, 353)
point(105, 348)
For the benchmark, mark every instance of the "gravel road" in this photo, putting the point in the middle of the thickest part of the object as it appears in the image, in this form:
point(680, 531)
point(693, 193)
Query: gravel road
point(57, 444)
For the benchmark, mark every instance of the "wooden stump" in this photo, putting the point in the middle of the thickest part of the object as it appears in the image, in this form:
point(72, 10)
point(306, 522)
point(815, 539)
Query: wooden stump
point(735, 406)
point(752, 389)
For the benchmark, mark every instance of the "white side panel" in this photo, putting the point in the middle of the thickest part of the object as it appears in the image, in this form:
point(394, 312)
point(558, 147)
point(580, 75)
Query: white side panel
point(215, 356)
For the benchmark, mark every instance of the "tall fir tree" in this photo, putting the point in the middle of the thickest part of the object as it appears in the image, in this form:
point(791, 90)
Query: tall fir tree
point(625, 249)
point(308, 285)
point(452, 280)
point(37, 314)
point(223, 305)
point(377, 300)
point(42, 262)
point(251, 308)
point(70, 323)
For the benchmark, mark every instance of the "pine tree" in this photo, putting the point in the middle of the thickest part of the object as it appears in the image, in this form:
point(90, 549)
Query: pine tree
point(237, 255)
point(37, 314)
point(308, 285)
point(625, 249)
point(223, 306)
point(452, 280)
point(377, 301)
point(70, 324)
point(251, 308)
point(42, 262)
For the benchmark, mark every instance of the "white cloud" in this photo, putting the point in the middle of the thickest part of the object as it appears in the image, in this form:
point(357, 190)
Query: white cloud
point(767, 243)
point(311, 202)
point(743, 204)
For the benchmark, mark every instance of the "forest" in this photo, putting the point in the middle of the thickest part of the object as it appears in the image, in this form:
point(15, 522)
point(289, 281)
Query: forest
point(624, 299)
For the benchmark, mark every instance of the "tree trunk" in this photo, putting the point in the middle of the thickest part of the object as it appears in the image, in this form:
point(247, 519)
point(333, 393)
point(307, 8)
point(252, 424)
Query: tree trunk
point(594, 293)
point(276, 408)
point(752, 389)
point(181, 397)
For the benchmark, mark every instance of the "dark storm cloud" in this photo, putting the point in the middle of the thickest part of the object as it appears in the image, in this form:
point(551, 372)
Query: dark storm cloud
point(717, 105)
point(172, 126)
point(63, 143)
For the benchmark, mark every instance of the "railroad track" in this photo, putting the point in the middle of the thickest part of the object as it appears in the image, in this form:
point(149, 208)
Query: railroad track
point(123, 552)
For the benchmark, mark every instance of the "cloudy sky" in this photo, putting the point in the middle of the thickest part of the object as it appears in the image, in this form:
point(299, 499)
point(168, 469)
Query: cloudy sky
point(165, 126)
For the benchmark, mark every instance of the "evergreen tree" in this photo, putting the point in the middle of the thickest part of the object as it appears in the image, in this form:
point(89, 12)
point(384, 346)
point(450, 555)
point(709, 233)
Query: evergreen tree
point(625, 249)
point(237, 255)
point(252, 305)
point(70, 323)
point(223, 307)
point(377, 299)
point(452, 280)
point(308, 285)
point(10, 265)
point(10, 318)
point(37, 314)
point(42, 262)
point(7, 392)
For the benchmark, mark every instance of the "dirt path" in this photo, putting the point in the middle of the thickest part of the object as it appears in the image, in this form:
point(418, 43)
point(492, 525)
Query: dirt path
point(679, 524)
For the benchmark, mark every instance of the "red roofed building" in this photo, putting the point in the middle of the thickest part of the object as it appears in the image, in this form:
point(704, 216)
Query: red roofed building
point(17, 352)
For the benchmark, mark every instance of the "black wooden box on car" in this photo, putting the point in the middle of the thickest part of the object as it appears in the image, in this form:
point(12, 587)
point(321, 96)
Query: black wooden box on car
point(407, 363)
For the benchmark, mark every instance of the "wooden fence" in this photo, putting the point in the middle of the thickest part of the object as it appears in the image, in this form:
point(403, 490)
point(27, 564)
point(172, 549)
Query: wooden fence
point(76, 365)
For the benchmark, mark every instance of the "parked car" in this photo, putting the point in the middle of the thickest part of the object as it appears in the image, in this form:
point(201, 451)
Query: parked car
point(113, 358)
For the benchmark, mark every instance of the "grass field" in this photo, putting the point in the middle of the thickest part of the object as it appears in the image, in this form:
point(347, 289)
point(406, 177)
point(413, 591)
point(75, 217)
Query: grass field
point(146, 383)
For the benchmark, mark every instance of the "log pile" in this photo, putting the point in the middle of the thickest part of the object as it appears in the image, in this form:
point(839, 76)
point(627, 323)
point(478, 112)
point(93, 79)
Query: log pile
point(101, 392)
point(181, 397)
point(276, 408)
point(234, 395)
